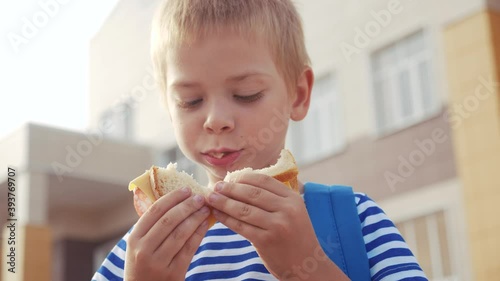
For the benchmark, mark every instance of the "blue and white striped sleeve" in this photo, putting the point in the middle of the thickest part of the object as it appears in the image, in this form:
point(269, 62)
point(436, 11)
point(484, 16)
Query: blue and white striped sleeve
point(388, 254)
point(114, 264)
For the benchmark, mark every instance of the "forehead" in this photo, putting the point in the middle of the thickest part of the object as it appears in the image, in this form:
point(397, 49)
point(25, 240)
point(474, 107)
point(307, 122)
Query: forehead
point(223, 57)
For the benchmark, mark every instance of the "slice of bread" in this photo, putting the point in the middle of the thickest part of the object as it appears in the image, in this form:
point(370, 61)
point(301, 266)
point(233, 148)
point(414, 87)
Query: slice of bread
point(165, 180)
point(158, 181)
point(285, 170)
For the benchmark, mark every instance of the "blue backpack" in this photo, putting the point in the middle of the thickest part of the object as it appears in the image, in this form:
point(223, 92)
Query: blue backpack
point(335, 220)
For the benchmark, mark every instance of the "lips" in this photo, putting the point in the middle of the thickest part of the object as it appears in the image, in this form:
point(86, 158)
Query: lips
point(221, 157)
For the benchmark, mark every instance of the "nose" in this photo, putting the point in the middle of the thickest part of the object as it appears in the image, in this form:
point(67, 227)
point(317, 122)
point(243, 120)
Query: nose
point(219, 119)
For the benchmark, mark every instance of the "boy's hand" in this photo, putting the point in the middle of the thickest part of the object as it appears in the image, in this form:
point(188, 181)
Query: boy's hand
point(165, 239)
point(274, 218)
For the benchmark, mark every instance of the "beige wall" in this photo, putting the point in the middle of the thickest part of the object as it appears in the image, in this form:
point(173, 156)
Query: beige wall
point(120, 68)
point(473, 52)
point(365, 162)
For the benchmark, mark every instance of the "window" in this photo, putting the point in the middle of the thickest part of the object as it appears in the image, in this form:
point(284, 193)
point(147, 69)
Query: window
point(402, 84)
point(320, 134)
point(427, 237)
point(118, 121)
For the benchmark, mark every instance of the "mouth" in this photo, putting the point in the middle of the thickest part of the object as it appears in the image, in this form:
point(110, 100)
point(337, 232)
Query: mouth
point(221, 157)
point(218, 155)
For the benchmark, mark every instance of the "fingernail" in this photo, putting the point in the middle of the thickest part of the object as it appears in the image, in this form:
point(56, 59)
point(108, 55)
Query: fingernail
point(198, 199)
point(219, 186)
point(213, 197)
point(185, 190)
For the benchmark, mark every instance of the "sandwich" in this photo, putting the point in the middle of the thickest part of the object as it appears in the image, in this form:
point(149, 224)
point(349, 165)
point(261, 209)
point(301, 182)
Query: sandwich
point(158, 181)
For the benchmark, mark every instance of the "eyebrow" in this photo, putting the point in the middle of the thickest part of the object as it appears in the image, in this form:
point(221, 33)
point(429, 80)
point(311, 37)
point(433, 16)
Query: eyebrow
point(232, 79)
point(241, 77)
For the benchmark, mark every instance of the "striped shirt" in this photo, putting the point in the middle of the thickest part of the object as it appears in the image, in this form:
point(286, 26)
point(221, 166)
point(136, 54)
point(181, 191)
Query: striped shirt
point(225, 255)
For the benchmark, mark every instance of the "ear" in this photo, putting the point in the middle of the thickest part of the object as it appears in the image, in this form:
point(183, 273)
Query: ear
point(302, 96)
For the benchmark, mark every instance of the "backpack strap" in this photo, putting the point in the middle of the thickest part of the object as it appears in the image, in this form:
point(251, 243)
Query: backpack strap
point(334, 216)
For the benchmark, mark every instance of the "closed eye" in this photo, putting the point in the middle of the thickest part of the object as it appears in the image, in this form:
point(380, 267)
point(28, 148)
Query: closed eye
point(189, 104)
point(249, 99)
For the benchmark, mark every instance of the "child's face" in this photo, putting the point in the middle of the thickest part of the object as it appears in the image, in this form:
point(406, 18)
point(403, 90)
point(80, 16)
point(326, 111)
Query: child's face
point(228, 103)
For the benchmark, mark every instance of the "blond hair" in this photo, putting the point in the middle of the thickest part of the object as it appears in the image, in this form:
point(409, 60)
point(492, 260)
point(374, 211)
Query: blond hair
point(276, 21)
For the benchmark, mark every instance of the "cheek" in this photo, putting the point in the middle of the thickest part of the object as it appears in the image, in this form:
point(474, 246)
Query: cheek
point(185, 127)
point(178, 126)
point(184, 138)
point(258, 128)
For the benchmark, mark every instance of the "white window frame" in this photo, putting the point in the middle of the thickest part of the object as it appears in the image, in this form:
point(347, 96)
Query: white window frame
point(435, 250)
point(329, 142)
point(420, 112)
point(446, 197)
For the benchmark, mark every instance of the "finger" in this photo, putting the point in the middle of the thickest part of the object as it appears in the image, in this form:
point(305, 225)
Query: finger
point(241, 211)
point(141, 201)
point(171, 219)
point(252, 195)
point(190, 247)
point(264, 181)
point(244, 229)
point(159, 208)
point(178, 237)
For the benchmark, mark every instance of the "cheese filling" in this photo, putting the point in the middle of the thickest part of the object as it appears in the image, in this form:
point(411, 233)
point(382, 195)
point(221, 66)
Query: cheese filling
point(143, 183)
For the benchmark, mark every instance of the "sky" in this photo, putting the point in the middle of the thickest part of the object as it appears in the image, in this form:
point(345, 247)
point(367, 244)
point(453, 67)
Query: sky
point(44, 61)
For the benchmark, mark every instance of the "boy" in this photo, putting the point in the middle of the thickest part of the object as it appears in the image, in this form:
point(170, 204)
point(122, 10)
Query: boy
point(224, 68)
